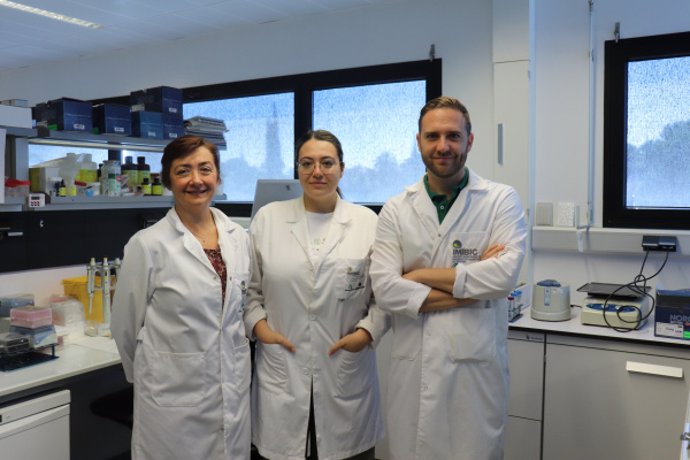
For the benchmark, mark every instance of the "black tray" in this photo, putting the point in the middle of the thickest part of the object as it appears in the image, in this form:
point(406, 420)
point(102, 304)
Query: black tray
point(621, 291)
point(20, 360)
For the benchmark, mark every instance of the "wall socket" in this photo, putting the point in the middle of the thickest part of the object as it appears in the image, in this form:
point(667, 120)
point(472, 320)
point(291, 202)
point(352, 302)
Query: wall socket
point(659, 243)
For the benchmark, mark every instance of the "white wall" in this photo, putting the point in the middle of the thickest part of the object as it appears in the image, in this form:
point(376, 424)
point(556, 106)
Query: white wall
point(386, 33)
point(562, 119)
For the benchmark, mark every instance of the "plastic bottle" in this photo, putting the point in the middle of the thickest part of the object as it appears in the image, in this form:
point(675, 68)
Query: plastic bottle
point(143, 169)
point(68, 172)
point(130, 170)
point(110, 167)
point(113, 185)
point(88, 171)
point(156, 186)
point(146, 187)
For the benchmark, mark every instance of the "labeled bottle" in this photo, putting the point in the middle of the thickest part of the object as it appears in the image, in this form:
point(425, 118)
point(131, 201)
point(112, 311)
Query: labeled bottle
point(88, 169)
point(144, 170)
point(110, 167)
point(130, 170)
point(156, 186)
point(146, 187)
point(113, 185)
point(62, 190)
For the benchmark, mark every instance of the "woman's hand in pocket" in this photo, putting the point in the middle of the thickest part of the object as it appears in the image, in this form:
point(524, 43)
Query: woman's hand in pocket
point(353, 342)
point(265, 334)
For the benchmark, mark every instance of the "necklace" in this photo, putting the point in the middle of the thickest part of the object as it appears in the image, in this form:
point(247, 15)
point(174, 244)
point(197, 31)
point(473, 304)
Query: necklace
point(210, 235)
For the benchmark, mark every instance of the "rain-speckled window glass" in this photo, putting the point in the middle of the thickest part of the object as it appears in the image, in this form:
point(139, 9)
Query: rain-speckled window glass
point(376, 125)
point(658, 133)
point(258, 141)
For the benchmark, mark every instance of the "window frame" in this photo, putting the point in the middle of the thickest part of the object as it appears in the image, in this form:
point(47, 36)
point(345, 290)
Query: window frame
point(618, 53)
point(303, 87)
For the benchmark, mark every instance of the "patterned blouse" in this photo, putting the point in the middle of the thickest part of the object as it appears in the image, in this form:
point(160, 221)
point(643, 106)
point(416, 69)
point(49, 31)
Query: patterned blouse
point(216, 259)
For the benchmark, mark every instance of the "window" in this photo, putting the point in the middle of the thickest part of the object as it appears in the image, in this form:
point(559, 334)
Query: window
point(372, 110)
point(258, 142)
point(376, 126)
point(647, 132)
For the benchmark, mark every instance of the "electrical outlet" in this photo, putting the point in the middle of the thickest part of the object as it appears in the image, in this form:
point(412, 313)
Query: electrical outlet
point(659, 243)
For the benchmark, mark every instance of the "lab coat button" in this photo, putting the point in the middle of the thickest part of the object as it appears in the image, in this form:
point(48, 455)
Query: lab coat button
point(312, 317)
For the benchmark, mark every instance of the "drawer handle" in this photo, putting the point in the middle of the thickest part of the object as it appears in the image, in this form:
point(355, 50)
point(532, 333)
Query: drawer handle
point(654, 369)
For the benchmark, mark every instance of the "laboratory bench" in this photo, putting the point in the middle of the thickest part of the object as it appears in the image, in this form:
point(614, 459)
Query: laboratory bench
point(580, 391)
point(100, 397)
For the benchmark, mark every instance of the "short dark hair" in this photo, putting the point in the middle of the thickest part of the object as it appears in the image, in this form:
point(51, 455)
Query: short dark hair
point(446, 102)
point(319, 135)
point(182, 147)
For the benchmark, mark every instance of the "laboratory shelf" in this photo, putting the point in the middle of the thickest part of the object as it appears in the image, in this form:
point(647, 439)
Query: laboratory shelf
point(19, 132)
point(45, 136)
point(103, 141)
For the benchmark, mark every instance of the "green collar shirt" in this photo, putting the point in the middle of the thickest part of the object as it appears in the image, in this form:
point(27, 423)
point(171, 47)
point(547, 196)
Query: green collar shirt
point(444, 202)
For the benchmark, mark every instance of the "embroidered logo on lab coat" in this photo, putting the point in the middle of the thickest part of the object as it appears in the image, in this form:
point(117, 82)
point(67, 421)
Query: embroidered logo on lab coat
point(462, 254)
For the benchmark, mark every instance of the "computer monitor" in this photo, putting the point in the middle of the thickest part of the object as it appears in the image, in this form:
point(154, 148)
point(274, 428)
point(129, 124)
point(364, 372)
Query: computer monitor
point(268, 190)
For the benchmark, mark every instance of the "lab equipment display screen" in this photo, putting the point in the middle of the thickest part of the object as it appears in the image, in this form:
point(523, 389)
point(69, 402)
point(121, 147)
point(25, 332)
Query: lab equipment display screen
point(647, 132)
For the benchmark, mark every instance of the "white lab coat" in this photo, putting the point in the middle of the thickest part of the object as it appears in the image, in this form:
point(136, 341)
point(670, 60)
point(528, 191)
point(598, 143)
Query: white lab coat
point(314, 306)
point(448, 375)
point(186, 353)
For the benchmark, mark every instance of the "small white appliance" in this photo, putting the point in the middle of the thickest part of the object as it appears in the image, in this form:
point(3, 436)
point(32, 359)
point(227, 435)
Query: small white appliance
point(550, 301)
point(621, 313)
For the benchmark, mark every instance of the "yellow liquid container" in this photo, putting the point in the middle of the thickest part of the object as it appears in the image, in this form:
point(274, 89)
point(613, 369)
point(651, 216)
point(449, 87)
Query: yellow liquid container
point(76, 287)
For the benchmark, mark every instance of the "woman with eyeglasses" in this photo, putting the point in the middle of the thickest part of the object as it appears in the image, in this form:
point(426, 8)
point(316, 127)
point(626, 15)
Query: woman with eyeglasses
point(315, 391)
point(177, 319)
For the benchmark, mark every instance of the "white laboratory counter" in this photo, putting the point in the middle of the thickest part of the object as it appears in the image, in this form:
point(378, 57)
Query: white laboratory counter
point(575, 327)
point(84, 355)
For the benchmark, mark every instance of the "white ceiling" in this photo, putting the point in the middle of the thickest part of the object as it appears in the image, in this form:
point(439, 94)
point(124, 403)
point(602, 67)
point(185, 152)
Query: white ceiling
point(27, 39)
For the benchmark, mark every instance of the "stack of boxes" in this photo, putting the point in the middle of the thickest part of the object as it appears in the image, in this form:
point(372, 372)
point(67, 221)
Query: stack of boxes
point(157, 112)
point(36, 323)
point(154, 113)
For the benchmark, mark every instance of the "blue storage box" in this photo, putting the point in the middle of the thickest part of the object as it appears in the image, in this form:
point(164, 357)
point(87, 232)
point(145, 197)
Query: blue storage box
point(112, 119)
point(147, 124)
point(173, 131)
point(163, 99)
point(672, 314)
point(64, 115)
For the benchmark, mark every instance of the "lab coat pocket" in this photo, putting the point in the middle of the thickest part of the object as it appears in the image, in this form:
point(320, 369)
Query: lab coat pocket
point(468, 247)
point(243, 369)
point(355, 372)
point(407, 337)
point(271, 367)
point(178, 379)
point(471, 333)
point(352, 280)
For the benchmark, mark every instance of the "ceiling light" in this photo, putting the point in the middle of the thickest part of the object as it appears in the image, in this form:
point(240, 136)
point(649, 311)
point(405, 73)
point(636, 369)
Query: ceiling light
point(49, 14)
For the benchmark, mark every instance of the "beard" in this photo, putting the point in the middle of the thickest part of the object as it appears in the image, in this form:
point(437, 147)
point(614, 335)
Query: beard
point(457, 163)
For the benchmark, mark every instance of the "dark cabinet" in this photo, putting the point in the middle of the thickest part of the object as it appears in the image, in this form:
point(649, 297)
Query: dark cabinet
point(13, 242)
point(42, 239)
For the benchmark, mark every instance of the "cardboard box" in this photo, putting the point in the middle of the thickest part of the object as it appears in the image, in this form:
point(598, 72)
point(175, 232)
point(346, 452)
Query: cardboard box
point(173, 131)
point(672, 315)
point(112, 119)
point(42, 179)
point(147, 124)
point(17, 117)
point(65, 115)
point(163, 99)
